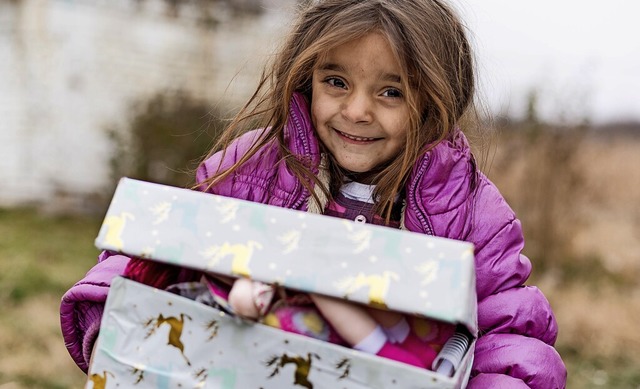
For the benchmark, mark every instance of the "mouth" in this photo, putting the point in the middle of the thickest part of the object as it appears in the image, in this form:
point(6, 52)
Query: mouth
point(354, 138)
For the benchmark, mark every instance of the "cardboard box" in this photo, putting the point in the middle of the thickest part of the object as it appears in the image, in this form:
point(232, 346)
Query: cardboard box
point(155, 339)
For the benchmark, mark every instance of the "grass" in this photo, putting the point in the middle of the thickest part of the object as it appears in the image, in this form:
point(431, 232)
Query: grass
point(600, 373)
point(42, 256)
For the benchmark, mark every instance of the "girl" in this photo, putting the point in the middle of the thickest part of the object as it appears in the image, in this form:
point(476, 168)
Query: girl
point(360, 112)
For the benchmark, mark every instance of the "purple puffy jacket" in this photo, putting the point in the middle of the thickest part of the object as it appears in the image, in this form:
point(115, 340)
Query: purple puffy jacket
point(517, 326)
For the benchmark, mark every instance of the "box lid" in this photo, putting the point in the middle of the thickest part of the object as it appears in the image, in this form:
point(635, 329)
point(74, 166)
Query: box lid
point(401, 270)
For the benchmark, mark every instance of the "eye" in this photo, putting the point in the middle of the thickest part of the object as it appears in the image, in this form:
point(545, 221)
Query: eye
point(337, 82)
point(392, 92)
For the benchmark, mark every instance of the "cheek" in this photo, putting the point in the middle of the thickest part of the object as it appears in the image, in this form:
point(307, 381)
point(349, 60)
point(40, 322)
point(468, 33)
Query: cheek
point(315, 121)
point(401, 128)
point(314, 107)
point(320, 110)
point(317, 97)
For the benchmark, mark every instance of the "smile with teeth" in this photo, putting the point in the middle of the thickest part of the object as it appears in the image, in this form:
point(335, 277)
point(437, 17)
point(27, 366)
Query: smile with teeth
point(355, 138)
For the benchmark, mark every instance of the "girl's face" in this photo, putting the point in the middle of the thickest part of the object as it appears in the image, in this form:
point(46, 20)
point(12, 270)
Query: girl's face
point(358, 106)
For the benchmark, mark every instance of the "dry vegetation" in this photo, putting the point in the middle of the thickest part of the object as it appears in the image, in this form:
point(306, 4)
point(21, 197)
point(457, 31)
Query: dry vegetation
point(577, 193)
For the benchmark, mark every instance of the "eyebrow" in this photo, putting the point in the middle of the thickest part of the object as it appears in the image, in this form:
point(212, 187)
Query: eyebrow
point(339, 68)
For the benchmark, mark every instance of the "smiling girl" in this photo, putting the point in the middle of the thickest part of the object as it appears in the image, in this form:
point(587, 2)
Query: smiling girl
point(360, 118)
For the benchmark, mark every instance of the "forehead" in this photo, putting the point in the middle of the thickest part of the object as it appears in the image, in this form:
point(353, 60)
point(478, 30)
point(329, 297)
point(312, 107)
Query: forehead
point(370, 54)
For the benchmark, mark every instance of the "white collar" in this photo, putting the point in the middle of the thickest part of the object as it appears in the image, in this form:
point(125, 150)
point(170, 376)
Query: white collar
point(357, 191)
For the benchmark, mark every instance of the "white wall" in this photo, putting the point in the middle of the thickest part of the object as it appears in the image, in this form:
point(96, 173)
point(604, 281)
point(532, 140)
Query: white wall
point(70, 69)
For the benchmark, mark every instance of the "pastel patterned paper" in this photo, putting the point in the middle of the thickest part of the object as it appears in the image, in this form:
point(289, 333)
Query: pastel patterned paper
point(154, 339)
point(380, 266)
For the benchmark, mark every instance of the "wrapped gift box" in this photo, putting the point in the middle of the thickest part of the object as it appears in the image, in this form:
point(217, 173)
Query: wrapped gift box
point(154, 339)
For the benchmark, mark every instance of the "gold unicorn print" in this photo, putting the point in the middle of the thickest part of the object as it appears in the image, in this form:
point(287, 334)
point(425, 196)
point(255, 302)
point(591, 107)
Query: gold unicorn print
point(175, 333)
point(212, 327)
point(161, 212)
point(100, 381)
point(429, 271)
point(201, 375)
point(378, 285)
point(138, 372)
point(228, 210)
point(240, 254)
point(345, 365)
point(115, 225)
point(303, 367)
point(360, 236)
point(290, 240)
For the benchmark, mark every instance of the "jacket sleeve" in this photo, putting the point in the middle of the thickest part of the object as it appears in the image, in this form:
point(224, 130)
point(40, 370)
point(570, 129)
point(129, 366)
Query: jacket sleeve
point(81, 307)
point(516, 323)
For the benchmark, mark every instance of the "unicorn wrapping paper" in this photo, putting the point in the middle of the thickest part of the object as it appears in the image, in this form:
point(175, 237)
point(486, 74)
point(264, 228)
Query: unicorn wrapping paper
point(154, 339)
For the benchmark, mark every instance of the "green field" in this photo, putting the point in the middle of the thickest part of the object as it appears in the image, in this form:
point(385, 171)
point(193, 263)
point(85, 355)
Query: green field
point(40, 258)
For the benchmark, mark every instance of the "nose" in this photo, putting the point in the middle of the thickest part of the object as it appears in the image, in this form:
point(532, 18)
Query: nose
point(357, 108)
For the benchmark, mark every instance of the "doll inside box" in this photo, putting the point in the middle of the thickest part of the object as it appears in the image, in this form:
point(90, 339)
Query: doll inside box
point(294, 311)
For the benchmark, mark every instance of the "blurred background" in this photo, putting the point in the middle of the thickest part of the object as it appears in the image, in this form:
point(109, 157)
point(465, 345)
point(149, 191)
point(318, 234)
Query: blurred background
point(92, 90)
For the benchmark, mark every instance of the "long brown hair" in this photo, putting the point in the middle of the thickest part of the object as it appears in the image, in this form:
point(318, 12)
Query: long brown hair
point(431, 44)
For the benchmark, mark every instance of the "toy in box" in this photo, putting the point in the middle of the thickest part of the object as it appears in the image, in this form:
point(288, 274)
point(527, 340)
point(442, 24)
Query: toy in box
point(151, 338)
